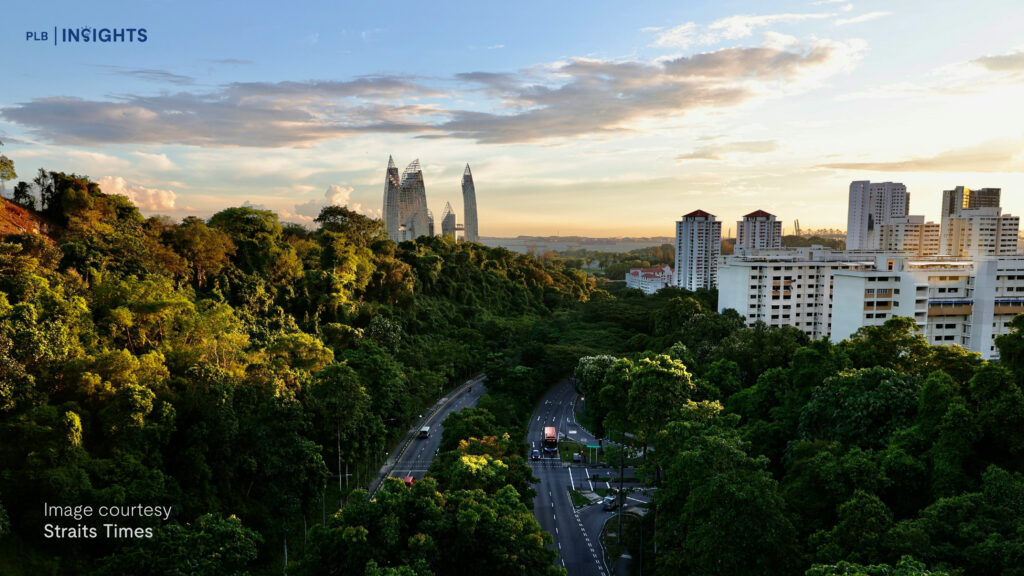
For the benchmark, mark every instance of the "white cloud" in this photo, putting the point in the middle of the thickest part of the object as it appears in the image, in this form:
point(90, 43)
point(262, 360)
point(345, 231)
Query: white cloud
point(158, 162)
point(743, 25)
point(335, 195)
point(862, 18)
point(146, 199)
point(682, 36)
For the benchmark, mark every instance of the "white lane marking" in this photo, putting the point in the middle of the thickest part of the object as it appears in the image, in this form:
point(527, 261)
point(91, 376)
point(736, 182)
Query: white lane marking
point(571, 483)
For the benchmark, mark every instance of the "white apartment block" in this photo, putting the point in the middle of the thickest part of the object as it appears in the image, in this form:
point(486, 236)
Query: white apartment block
point(873, 204)
point(979, 232)
point(649, 280)
point(910, 235)
point(791, 287)
point(833, 294)
point(758, 230)
point(698, 246)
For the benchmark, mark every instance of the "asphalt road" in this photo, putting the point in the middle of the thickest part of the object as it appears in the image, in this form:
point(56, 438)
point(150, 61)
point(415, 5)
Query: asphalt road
point(576, 532)
point(416, 459)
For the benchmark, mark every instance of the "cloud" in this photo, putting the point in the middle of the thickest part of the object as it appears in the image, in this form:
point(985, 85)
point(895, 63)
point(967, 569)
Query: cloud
point(257, 114)
point(1012, 62)
point(153, 75)
point(146, 199)
point(335, 195)
point(231, 61)
point(158, 162)
point(716, 151)
point(731, 28)
point(595, 97)
point(743, 25)
point(682, 36)
point(1000, 155)
point(862, 18)
point(568, 99)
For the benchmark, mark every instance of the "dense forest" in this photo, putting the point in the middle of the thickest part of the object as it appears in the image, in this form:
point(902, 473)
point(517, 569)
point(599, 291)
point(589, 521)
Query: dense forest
point(776, 455)
point(252, 374)
point(237, 369)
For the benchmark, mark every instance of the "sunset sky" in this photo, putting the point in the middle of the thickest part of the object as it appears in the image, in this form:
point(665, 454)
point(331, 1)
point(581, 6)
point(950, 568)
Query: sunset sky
point(592, 118)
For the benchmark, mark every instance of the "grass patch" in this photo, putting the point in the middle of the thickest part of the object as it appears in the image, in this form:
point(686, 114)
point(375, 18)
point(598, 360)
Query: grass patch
point(566, 448)
point(578, 499)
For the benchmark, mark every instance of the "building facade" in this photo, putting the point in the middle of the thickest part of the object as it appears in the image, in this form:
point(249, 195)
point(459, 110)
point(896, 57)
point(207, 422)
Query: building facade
point(758, 230)
point(698, 246)
point(872, 204)
point(968, 302)
point(649, 280)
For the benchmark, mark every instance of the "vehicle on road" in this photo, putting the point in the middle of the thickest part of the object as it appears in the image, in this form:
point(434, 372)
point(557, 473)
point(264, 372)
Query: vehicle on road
point(535, 455)
point(424, 432)
point(550, 440)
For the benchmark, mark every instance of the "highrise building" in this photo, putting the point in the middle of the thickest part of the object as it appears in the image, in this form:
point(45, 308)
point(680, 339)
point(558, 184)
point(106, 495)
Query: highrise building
point(405, 203)
point(698, 246)
point(972, 222)
point(392, 188)
point(471, 232)
point(758, 230)
point(910, 235)
point(872, 205)
point(448, 221)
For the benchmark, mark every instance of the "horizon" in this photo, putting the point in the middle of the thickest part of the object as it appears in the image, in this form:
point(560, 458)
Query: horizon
point(612, 126)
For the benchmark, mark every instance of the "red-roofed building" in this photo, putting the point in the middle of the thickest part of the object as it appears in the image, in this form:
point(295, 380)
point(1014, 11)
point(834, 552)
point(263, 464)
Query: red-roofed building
point(758, 230)
point(649, 280)
point(698, 246)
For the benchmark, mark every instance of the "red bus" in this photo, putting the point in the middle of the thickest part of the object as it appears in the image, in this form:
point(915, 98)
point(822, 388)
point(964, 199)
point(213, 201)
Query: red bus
point(550, 440)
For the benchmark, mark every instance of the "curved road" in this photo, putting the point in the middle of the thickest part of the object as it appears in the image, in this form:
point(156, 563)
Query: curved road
point(414, 454)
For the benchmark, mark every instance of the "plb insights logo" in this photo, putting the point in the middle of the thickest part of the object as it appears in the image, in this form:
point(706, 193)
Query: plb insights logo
point(87, 35)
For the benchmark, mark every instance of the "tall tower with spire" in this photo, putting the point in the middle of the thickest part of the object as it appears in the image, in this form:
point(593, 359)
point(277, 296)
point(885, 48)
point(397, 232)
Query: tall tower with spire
point(392, 189)
point(471, 231)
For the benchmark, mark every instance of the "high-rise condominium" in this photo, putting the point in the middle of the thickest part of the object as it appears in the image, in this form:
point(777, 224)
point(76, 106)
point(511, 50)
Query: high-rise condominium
point(872, 205)
point(698, 245)
point(758, 230)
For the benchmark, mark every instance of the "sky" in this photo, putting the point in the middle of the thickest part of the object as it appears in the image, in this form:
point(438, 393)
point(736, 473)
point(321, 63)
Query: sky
point(597, 118)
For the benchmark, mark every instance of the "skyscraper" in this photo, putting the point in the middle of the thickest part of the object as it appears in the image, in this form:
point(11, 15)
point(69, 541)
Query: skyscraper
point(448, 221)
point(392, 187)
point(471, 233)
point(405, 203)
point(871, 205)
point(698, 245)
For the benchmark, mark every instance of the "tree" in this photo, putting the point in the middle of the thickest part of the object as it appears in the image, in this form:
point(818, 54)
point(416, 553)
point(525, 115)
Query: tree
point(209, 546)
point(23, 195)
point(206, 249)
point(6, 168)
point(861, 407)
point(907, 566)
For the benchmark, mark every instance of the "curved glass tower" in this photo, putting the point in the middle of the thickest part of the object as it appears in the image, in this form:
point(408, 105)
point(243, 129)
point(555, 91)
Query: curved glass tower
point(471, 232)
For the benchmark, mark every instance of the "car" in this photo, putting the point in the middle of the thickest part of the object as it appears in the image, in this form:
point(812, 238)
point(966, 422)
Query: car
point(535, 455)
point(610, 502)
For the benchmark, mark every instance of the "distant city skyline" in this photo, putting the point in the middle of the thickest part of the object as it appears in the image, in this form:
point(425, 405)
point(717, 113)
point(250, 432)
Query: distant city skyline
point(592, 121)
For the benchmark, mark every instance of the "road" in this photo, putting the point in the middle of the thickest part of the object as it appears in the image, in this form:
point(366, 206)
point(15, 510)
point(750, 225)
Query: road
point(414, 455)
point(576, 532)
